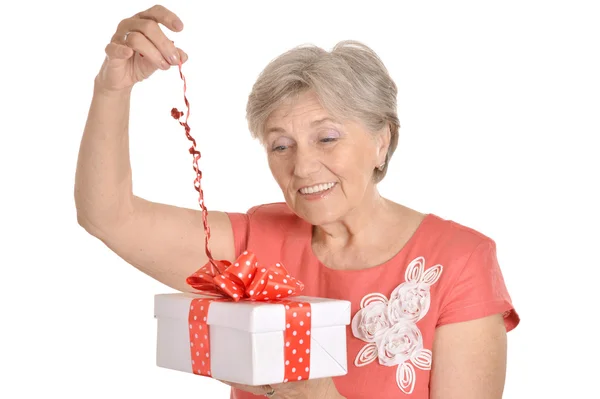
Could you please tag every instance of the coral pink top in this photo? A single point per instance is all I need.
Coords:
(446, 273)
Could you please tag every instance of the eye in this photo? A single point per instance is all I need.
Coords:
(328, 139)
(281, 144)
(329, 136)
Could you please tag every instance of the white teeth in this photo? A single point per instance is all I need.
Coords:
(316, 189)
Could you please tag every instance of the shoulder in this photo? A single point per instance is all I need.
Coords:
(272, 210)
(276, 216)
(472, 284)
(454, 238)
(275, 233)
(464, 255)
(265, 226)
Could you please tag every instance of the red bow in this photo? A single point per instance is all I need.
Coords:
(246, 278)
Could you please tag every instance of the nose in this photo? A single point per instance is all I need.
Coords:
(306, 162)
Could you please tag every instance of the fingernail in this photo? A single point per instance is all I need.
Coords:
(175, 59)
(177, 25)
(164, 65)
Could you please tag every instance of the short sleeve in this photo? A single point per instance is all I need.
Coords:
(479, 290)
(240, 225)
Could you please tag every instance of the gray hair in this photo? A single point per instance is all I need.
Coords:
(350, 81)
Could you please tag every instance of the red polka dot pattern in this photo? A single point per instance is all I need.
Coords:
(296, 335)
(297, 341)
(199, 336)
(246, 278)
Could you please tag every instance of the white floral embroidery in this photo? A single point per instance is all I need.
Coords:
(372, 322)
(390, 326)
(400, 343)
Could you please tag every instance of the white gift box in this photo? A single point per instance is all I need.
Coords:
(247, 338)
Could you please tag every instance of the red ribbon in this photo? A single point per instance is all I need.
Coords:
(246, 278)
(296, 338)
(176, 114)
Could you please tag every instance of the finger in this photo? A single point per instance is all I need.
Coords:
(162, 15)
(116, 51)
(182, 55)
(140, 43)
(154, 34)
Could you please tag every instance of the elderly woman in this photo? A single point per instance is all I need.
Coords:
(329, 124)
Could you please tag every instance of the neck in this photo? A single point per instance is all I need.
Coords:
(362, 224)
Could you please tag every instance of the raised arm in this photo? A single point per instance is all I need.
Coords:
(165, 242)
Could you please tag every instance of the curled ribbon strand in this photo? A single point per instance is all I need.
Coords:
(245, 279)
(176, 114)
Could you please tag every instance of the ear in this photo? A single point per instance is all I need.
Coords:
(383, 143)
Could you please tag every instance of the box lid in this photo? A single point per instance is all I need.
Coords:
(254, 317)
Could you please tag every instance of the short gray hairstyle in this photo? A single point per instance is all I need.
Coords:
(351, 82)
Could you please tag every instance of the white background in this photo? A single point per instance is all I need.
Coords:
(499, 105)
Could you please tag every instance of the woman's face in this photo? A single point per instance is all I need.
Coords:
(324, 168)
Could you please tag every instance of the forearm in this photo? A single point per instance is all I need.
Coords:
(332, 392)
(103, 186)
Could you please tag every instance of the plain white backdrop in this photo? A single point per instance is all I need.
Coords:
(499, 108)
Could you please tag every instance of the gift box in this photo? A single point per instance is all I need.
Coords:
(252, 342)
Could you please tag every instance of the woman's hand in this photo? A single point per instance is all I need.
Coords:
(138, 48)
(321, 388)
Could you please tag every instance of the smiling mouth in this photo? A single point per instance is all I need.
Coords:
(316, 189)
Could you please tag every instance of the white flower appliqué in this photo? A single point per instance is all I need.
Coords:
(390, 326)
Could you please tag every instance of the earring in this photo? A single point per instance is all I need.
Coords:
(380, 167)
